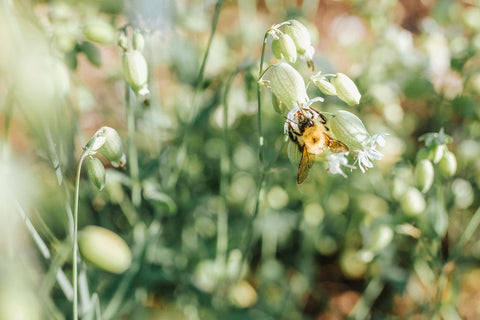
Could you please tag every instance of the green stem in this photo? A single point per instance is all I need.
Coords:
(75, 247)
(249, 231)
(467, 234)
(222, 221)
(259, 104)
(263, 168)
(132, 150)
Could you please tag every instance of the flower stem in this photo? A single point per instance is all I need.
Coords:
(259, 104)
(75, 246)
(132, 150)
(192, 115)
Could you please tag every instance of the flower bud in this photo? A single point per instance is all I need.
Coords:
(437, 153)
(325, 86)
(277, 51)
(99, 31)
(112, 148)
(424, 175)
(135, 69)
(299, 34)
(96, 172)
(346, 89)
(122, 41)
(380, 238)
(349, 129)
(138, 41)
(288, 48)
(412, 202)
(242, 294)
(288, 85)
(448, 164)
(352, 264)
(104, 249)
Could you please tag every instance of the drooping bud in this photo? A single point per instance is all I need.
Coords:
(349, 129)
(99, 31)
(448, 164)
(413, 202)
(288, 48)
(135, 69)
(122, 41)
(138, 41)
(437, 153)
(299, 34)
(104, 249)
(324, 86)
(96, 172)
(346, 89)
(288, 85)
(424, 175)
(112, 148)
(277, 51)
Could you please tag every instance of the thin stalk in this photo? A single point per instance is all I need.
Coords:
(222, 220)
(192, 115)
(259, 103)
(249, 231)
(263, 168)
(362, 308)
(132, 150)
(467, 234)
(75, 247)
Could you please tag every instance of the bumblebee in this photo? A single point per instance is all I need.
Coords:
(307, 128)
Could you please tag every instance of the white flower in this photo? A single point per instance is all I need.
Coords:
(370, 152)
(335, 161)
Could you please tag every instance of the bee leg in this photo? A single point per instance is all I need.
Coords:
(324, 119)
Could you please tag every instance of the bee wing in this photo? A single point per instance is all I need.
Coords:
(306, 164)
(335, 145)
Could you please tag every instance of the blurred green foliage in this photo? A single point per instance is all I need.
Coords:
(371, 246)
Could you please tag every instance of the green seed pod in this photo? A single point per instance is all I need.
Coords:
(135, 69)
(288, 85)
(64, 40)
(423, 153)
(349, 129)
(92, 53)
(437, 153)
(277, 51)
(104, 249)
(381, 237)
(424, 175)
(325, 86)
(138, 41)
(288, 48)
(122, 41)
(413, 202)
(96, 172)
(352, 265)
(112, 148)
(99, 31)
(346, 89)
(299, 34)
(448, 164)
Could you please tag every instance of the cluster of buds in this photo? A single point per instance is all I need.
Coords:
(107, 142)
(434, 155)
(290, 40)
(134, 65)
(318, 135)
